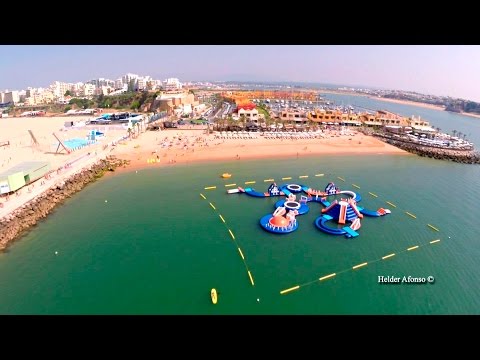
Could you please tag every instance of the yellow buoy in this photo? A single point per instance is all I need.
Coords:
(213, 295)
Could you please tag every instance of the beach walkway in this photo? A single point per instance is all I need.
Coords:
(38, 187)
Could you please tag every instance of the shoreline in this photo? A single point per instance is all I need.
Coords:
(409, 102)
(201, 148)
(402, 102)
(182, 146)
(424, 105)
(16, 223)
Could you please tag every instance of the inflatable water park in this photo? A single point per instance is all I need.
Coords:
(337, 216)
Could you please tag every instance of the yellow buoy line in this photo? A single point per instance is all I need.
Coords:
(339, 177)
(250, 276)
(355, 267)
(212, 187)
(413, 216)
(361, 265)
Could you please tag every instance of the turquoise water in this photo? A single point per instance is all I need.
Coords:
(75, 143)
(148, 243)
(157, 247)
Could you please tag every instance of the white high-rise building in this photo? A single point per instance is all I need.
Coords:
(118, 84)
(172, 84)
(101, 82)
(126, 79)
(142, 82)
(37, 96)
(60, 88)
(88, 89)
(104, 90)
(11, 96)
(77, 88)
(22, 94)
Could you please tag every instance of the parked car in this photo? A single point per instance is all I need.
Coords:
(169, 125)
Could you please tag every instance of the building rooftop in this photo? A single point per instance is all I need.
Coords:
(25, 167)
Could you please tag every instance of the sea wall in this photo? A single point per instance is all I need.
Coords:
(456, 155)
(17, 223)
(464, 156)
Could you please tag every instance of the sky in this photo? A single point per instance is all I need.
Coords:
(446, 70)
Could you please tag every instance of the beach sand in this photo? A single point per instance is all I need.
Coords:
(22, 147)
(422, 105)
(189, 146)
(155, 149)
(412, 103)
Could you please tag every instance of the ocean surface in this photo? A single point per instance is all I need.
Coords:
(149, 243)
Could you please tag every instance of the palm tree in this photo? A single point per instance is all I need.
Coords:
(242, 119)
(269, 122)
(129, 130)
(138, 129)
(459, 134)
(454, 132)
(464, 136)
(230, 121)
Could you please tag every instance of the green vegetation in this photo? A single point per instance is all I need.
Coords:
(135, 105)
(132, 100)
(82, 103)
(454, 105)
(263, 110)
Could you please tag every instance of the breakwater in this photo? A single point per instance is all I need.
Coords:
(441, 153)
(15, 224)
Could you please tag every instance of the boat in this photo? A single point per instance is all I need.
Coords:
(226, 175)
(213, 295)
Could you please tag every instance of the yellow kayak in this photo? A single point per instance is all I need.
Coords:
(213, 295)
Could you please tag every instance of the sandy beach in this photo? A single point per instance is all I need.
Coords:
(412, 103)
(422, 105)
(396, 101)
(471, 115)
(178, 146)
(158, 148)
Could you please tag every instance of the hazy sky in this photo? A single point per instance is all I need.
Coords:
(452, 70)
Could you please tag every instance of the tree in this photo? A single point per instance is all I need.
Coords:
(454, 132)
(243, 120)
(68, 93)
(135, 105)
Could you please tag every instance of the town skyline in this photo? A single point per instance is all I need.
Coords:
(436, 70)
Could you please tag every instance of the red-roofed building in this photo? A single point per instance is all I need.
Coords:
(246, 106)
